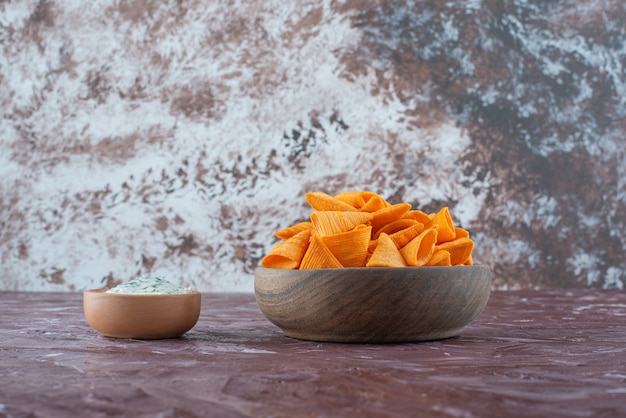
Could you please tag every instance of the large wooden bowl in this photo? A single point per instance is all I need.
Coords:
(373, 305)
(141, 316)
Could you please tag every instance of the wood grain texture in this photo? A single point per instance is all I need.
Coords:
(373, 305)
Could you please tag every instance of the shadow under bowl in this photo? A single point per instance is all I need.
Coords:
(141, 316)
(373, 305)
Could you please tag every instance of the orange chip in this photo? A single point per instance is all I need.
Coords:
(323, 201)
(374, 204)
(318, 256)
(418, 215)
(372, 245)
(288, 254)
(290, 231)
(334, 222)
(420, 249)
(386, 254)
(350, 247)
(460, 250)
(439, 258)
(460, 233)
(389, 214)
(356, 198)
(403, 237)
(396, 226)
(445, 227)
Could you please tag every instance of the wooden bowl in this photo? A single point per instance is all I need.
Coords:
(373, 305)
(141, 316)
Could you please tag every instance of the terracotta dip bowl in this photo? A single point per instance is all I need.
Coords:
(141, 316)
(373, 305)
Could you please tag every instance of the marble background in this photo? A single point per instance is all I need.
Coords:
(174, 137)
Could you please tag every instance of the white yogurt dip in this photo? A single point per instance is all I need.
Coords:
(154, 285)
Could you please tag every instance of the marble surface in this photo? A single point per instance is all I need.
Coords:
(173, 137)
(529, 354)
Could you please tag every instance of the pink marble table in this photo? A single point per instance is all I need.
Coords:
(529, 354)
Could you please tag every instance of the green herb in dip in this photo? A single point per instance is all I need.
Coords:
(155, 285)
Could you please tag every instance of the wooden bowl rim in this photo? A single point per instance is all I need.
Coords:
(376, 270)
(381, 268)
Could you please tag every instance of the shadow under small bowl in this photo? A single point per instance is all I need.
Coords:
(373, 305)
(141, 316)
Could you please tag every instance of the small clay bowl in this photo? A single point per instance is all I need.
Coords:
(141, 316)
(373, 305)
